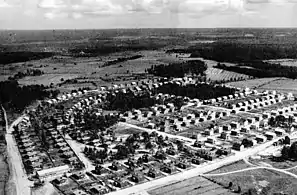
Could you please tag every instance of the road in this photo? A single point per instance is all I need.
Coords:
(18, 177)
(188, 140)
(140, 189)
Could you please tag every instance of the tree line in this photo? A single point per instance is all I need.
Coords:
(237, 52)
(124, 59)
(28, 72)
(262, 69)
(200, 91)
(16, 97)
(22, 56)
(196, 67)
(127, 101)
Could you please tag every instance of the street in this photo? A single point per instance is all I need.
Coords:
(18, 178)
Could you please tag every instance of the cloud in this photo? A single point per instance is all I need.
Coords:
(275, 2)
(79, 8)
(3, 4)
(52, 4)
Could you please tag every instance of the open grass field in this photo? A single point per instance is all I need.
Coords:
(279, 84)
(216, 74)
(283, 62)
(232, 167)
(287, 164)
(269, 182)
(193, 186)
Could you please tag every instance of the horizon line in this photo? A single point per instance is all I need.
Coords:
(122, 28)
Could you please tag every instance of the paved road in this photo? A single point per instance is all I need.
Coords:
(18, 176)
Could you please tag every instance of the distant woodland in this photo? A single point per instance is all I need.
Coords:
(22, 56)
(262, 69)
(195, 67)
(237, 52)
(16, 97)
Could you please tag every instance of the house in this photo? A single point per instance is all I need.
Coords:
(260, 139)
(153, 173)
(238, 146)
(209, 132)
(270, 135)
(234, 133)
(225, 136)
(211, 140)
(255, 126)
(226, 127)
(218, 129)
(279, 132)
(234, 125)
(151, 126)
(245, 129)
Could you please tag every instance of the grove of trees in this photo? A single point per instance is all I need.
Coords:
(200, 91)
(16, 97)
(196, 67)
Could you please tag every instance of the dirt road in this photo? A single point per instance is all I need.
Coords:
(18, 183)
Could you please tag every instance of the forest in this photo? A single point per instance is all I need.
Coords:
(200, 91)
(237, 52)
(262, 69)
(16, 97)
(22, 56)
(124, 59)
(127, 101)
(195, 67)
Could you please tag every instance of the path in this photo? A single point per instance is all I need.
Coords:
(253, 168)
(18, 177)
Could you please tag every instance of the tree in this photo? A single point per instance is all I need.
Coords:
(239, 189)
(285, 152)
(230, 185)
(287, 140)
(293, 150)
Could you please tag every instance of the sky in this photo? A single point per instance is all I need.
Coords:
(106, 14)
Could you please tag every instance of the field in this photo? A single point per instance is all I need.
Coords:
(287, 164)
(283, 62)
(232, 167)
(216, 74)
(193, 186)
(266, 180)
(279, 84)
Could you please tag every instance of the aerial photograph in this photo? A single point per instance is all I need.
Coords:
(148, 97)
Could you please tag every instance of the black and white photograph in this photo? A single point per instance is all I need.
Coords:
(148, 97)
